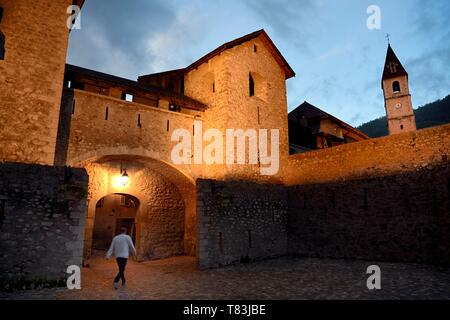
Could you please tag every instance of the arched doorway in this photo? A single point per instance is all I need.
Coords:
(165, 220)
(113, 212)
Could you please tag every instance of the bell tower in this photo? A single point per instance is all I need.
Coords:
(398, 105)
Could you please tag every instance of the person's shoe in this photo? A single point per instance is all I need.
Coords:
(123, 285)
(116, 285)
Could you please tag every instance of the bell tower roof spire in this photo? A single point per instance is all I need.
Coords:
(392, 66)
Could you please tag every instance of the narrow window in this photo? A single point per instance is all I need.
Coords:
(259, 122)
(106, 113)
(251, 85)
(401, 127)
(2, 38)
(139, 121)
(396, 87)
(127, 97)
(255, 48)
(213, 87)
(174, 108)
(123, 200)
(168, 125)
(73, 106)
(259, 159)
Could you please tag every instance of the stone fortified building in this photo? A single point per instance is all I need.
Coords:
(70, 133)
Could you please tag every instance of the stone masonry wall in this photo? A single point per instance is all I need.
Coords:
(223, 84)
(400, 217)
(380, 199)
(42, 211)
(94, 125)
(105, 123)
(385, 199)
(31, 78)
(379, 157)
(239, 222)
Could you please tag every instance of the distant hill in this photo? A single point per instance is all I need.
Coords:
(429, 115)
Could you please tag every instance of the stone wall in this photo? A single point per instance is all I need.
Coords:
(384, 156)
(240, 222)
(399, 217)
(380, 199)
(31, 78)
(42, 214)
(384, 199)
(161, 218)
(101, 125)
(223, 84)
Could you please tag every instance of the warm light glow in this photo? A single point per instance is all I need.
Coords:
(122, 180)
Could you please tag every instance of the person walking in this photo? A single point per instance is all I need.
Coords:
(121, 246)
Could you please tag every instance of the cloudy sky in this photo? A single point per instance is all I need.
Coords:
(338, 60)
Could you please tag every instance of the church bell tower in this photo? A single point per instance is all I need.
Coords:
(398, 105)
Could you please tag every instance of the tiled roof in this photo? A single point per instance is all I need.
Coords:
(308, 111)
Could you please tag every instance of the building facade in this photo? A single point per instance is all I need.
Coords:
(64, 115)
(311, 128)
(71, 123)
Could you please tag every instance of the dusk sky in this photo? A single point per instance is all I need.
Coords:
(338, 60)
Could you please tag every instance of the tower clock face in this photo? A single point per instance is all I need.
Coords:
(398, 106)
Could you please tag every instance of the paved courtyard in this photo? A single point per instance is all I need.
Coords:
(283, 278)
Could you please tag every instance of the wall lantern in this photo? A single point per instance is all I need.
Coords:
(124, 178)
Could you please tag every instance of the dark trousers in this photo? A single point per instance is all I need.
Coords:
(121, 263)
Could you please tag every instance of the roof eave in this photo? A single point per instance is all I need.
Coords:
(79, 3)
(190, 102)
(289, 72)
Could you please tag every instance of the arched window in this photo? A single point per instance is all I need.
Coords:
(251, 85)
(2, 38)
(396, 86)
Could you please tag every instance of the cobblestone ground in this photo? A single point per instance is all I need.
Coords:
(283, 278)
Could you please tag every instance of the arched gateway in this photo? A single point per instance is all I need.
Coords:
(156, 203)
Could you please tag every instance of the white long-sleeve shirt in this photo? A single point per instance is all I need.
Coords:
(121, 246)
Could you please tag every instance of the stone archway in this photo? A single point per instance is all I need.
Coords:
(166, 218)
